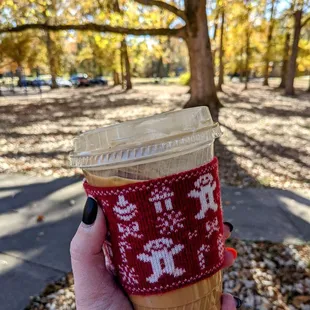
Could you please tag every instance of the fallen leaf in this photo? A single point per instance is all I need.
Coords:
(298, 300)
(40, 218)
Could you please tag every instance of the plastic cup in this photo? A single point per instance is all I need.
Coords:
(146, 149)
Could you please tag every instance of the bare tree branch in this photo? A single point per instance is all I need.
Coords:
(305, 22)
(163, 5)
(99, 28)
(100, 5)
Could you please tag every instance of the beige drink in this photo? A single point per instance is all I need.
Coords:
(147, 149)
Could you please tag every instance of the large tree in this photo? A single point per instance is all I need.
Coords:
(269, 42)
(247, 43)
(50, 14)
(221, 53)
(194, 31)
(298, 7)
(285, 55)
(125, 57)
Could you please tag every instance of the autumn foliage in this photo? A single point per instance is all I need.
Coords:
(121, 38)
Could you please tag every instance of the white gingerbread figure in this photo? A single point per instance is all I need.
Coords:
(159, 196)
(124, 210)
(160, 254)
(204, 191)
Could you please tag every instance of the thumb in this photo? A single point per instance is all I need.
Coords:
(91, 233)
(92, 280)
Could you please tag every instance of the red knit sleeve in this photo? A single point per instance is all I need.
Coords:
(164, 233)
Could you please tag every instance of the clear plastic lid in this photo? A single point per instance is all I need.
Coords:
(145, 140)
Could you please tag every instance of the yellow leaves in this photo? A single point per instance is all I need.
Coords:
(304, 65)
(10, 4)
(17, 47)
(303, 59)
(304, 45)
(85, 53)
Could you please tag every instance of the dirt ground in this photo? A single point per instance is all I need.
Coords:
(265, 134)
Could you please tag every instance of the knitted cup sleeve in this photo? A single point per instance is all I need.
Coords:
(164, 233)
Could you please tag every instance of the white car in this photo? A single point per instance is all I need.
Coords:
(61, 82)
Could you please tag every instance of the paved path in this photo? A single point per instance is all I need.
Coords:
(32, 254)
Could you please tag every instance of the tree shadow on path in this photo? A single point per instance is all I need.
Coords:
(25, 195)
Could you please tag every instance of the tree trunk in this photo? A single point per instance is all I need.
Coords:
(100, 70)
(19, 73)
(268, 48)
(241, 65)
(51, 59)
(203, 91)
(12, 82)
(285, 54)
(221, 66)
(168, 66)
(216, 21)
(50, 45)
(127, 65)
(122, 67)
(289, 86)
(247, 59)
(308, 90)
(160, 68)
(168, 69)
(247, 44)
(116, 80)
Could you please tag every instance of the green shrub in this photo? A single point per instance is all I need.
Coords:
(185, 78)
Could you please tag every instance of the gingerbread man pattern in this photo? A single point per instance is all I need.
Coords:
(205, 186)
(160, 253)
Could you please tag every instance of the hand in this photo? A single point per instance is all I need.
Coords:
(95, 288)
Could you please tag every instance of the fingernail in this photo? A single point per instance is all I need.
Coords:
(230, 226)
(90, 211)
(238, 302)
(233, 252)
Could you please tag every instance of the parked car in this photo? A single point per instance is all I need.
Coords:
(80, 80)
(24, 82)
(28, 82)
(99, 80)
(37, 82)
(61, 82)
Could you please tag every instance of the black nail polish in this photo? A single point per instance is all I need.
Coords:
(230, 226)
(90, 211)
(238, 302)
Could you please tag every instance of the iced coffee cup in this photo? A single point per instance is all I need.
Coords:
(156, 180)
